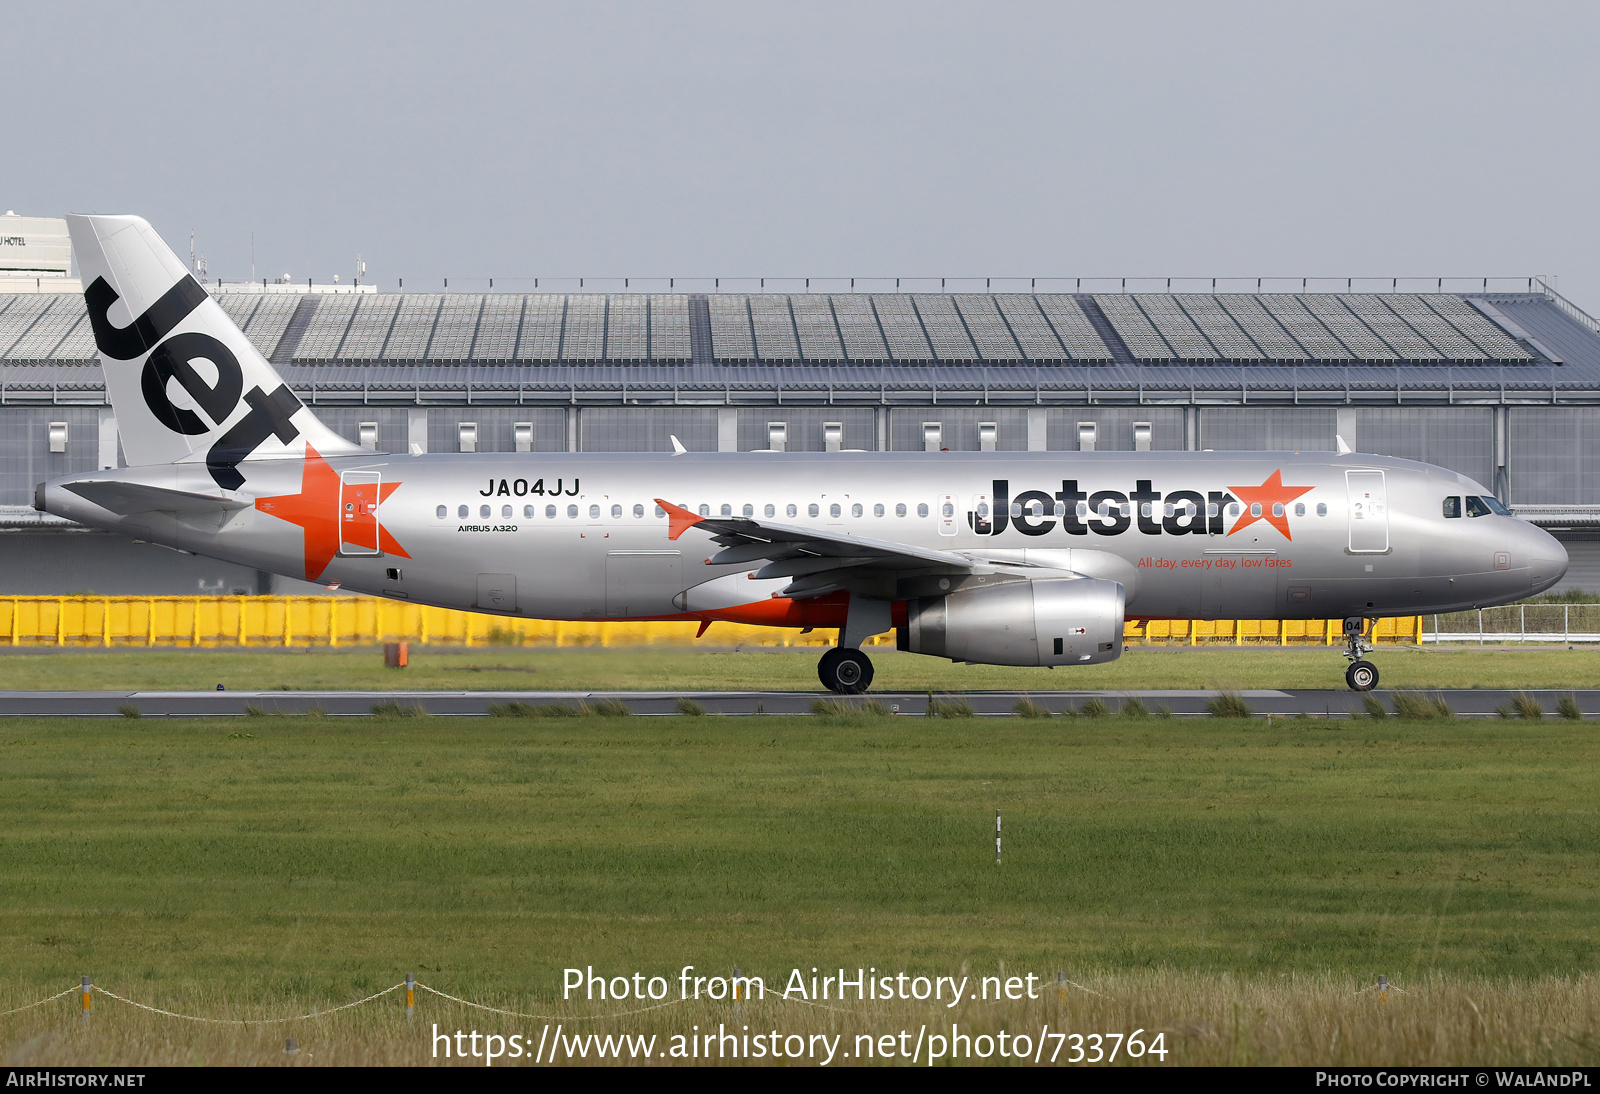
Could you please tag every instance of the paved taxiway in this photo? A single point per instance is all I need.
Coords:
(1334, 703)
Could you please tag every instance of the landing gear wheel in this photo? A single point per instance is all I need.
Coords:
(847, 672)
(1361, 676)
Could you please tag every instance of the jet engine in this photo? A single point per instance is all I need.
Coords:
(1052, 621)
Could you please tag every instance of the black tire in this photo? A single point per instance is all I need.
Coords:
(845, 672)
(1361, 676)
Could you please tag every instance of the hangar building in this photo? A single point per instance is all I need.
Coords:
(1499, 380)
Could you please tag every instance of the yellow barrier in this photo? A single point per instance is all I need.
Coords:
(187, 621)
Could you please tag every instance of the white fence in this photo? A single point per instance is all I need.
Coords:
(1519, 623)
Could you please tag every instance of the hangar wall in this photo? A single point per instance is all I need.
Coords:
(1501, 384)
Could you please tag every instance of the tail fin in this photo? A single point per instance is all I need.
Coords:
(183, 380)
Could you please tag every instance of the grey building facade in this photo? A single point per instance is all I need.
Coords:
(1503, 386)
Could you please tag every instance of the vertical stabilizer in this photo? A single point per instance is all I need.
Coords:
(185, 383)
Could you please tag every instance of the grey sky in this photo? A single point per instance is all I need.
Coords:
(470, 140)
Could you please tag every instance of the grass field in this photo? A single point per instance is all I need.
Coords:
(512, 668)
(1232, 884)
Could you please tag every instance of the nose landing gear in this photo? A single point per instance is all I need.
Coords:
(1362, 675)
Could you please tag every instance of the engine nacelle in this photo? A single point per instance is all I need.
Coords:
(1054, 621)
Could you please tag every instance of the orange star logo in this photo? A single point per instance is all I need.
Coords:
(316, 509)
(1270, 492)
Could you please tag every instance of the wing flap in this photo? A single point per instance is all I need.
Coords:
(755, 540)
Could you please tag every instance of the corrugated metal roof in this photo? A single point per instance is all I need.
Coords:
(314, 362)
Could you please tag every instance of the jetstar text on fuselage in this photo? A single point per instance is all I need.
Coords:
(1079, 511)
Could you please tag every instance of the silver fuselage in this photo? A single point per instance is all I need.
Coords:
(579, 535)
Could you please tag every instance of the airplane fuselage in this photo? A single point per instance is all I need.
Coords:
(1264, 535)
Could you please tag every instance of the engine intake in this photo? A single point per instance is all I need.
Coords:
(1055, 621)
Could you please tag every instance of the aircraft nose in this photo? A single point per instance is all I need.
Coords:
(1547, 558)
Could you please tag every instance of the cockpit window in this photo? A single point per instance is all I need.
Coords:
(1476, 506)
(1452, 507)
(1496, 506)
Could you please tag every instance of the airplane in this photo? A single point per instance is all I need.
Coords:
(1000, 558)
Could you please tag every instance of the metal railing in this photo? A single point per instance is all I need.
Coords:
(922, 283)
(1568, 307)
(289, 621)
(1519, 623)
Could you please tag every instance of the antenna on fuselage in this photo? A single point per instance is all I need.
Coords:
(1344, 449)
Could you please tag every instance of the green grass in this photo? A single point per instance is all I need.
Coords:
(325, 858)
(680, 670)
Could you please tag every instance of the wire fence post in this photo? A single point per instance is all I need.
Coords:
(1061, 987)
(1383, 988)
(88, 987)
(411, 996)
(997, 837)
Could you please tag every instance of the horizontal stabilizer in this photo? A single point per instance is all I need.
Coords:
(127, 498)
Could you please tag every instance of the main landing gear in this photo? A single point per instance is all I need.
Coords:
(1362, 675)
(845, 671)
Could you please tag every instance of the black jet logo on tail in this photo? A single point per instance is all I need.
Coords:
(172, 359)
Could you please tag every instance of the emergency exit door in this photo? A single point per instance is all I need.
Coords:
(1369, 512)
(358, 512)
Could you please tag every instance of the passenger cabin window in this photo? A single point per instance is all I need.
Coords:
(900, 509)
(791, 510)
(877, 510)
(527, 511)
(572, 512)
(616, 512)
(483, 512)
(855, 510)
(505, 512)
(949, 509)
(1322, 508)
(594, 512)
(705, 510)
(749, 510)
(1452, 508)
(660, 512)
(727, 510)
(1476, 506)
(1277, 508)
(638, 512)
(813, 510)
(769, 510)
(922, 509)
(1255, 509)
(549, 511)
(441, 512)
(834, 510)
(462, 512)
(1299, 508)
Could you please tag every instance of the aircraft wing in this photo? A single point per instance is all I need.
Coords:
(128, 498)
(819, 561)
